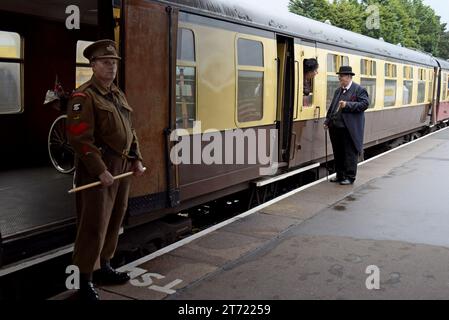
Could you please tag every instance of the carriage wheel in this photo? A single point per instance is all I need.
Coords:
(61, 153)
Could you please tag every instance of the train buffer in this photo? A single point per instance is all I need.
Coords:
(385, 237)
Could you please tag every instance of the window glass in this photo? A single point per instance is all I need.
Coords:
(10, 73)
(10, 93)
(250, 95)
(421, 91)
(370, 85)
(80, 46)
(250, 53)
(407, 92)
(83, 70)
(10, 45)
(186, 45)
(332, 85)
(185, 97)
(331, 63)
(390, 93)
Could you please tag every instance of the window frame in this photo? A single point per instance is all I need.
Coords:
(21, 62)
(191, 64)
(340, 61)
(250, 68)
(371, 74)
(391, 76)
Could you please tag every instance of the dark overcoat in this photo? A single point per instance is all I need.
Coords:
(357, 101)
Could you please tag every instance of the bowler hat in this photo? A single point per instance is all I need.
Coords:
(346, 70)
(101, 49)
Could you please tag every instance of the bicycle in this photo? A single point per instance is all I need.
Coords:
(61, 153)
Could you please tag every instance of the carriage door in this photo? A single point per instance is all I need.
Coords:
(306, 134)
(285, 95)
(149, 53)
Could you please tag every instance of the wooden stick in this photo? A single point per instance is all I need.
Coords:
(94, 184)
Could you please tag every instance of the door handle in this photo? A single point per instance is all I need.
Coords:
(316, 114)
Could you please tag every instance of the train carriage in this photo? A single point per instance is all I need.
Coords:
(224, 64)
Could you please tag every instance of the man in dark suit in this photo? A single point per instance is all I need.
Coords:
(346, 123)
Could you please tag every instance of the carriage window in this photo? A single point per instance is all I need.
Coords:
(334, 62)
(370, 85)
(185, 80)
(447, 86)
(421, 85)
(332, 85)
(407, 92)
(310, 67)
(250, 85)
(444, 86)
(250, 53)
(368, 79)
(83, 69)
(390, 93)
(391, 70)
(11, 65)
(390, 85)
(430, 93)
(186, 45)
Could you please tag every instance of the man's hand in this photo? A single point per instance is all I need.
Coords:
(106, 178)
(325, 126)
(342, 104)
(138, 168)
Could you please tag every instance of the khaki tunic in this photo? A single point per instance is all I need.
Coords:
(100, 131)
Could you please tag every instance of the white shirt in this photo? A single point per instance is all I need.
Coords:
(348, 87)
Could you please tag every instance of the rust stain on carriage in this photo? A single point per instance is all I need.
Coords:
(146, 83)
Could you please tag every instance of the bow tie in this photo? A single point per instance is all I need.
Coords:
(343, 90)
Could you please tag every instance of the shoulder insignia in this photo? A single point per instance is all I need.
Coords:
(79, 94)
(76, 107)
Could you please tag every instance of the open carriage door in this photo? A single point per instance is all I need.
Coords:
(148, 49)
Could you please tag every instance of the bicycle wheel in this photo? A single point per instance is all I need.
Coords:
(61, 153)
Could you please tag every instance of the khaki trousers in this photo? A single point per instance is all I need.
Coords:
(100, 213)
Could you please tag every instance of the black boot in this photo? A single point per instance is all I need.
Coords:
(87, 290)
(107, 275)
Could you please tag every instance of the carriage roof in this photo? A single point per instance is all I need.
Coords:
(289, 23)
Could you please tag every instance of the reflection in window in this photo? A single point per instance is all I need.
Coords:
(310, 67)
(250, 53)
(334, 62)
(83, 70)
(421, 91)
(407, 92)
(332, 85)
(250, 83)
(186, 45)
(10, 72)
(370, 85)
(185, 97)
(390, 93)
(250, 96)
(185, 80)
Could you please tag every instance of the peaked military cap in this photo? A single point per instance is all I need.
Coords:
(101, 49)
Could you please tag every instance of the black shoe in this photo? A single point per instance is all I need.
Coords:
(346, 182)
(335, 180)
(107, 275)
(87, 291)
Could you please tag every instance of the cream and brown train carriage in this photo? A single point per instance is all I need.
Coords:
(241, 67)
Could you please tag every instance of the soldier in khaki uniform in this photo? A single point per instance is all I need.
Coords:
(100, 131)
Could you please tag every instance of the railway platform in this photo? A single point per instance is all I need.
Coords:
(321, 241)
